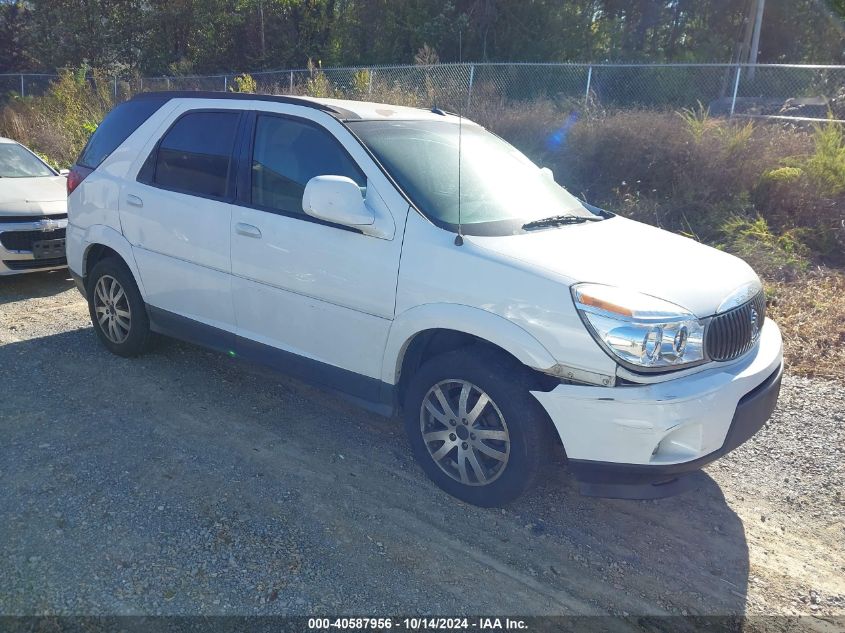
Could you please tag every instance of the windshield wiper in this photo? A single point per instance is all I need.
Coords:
(558, 220)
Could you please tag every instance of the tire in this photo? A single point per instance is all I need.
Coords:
(505, 465)
(117, 310)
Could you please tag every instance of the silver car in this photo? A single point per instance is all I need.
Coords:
(33, 212)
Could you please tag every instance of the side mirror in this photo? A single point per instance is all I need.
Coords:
(64, 172)
(336, 199)
(548, 173)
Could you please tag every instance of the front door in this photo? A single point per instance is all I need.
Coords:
(310, 297)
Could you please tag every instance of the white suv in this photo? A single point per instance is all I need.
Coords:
(418, 263)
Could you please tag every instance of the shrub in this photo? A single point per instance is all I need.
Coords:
(782, 175)
(243, 83)
(825, 168)
(317, 84)
(362, 82)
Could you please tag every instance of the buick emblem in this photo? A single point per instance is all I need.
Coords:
(755, 325)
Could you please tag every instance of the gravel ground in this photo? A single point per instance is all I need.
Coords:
(185, 482)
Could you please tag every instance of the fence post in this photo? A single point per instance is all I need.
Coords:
(168, 82)
(225, 83)
(370, 81)
(22, 89)
(115, 87)
(469, 88)
(736, 89)
(589, 82)
(291, 82)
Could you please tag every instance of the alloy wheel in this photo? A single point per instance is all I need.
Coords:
(111, 305)
(465, 432)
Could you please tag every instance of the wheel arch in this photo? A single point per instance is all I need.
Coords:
(426, 331)
(103, 241)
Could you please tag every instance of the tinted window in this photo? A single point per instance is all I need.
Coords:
(195, 154)
(287, 154)
(116, 128)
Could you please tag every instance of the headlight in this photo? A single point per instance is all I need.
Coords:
(640, 330)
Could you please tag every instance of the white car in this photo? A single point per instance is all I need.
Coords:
(339, 241)
(33, 212)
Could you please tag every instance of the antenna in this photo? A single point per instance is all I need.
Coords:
(459, 238)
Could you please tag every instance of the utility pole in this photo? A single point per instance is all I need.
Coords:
(261, 20)
(755, 39)
(745, 44)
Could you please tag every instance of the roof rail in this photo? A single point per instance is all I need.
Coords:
(340, 113)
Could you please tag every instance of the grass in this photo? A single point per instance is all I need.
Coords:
(772, 194)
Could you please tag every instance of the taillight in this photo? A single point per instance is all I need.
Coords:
(76, 175)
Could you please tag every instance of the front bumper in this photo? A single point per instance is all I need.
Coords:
(16, 254)
(637, 441)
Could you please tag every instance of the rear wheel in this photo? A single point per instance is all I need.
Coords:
(117, 309)
(474, 427)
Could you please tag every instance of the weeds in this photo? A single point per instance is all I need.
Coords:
(697, 120)
(59, 123)
(778, 257)
(736, 137)
(809, 311)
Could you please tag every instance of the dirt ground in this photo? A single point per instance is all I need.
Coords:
(186, 482)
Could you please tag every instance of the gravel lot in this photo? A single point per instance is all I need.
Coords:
(185, 482)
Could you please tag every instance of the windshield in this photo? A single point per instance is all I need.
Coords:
(17, 162)
(500, 188)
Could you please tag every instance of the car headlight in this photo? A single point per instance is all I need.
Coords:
(638, 329)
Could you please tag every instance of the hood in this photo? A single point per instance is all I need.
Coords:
(33, 196)
(632, 255)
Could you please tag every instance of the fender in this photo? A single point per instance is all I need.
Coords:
(454, 316)
(107, 236)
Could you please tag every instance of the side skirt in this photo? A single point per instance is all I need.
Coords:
(369, 393)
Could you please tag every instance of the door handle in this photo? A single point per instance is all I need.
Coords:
(247, 230)
(134, 200)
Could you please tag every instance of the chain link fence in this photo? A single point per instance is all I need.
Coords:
(801, 92)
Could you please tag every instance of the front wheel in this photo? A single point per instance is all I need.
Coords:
(117, 309)
(474, 427)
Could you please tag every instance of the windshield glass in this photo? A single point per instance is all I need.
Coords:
(500, 188)
(17, 162)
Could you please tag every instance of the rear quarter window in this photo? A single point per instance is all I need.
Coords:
(118, 125)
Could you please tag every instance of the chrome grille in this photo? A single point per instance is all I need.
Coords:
(732, 333)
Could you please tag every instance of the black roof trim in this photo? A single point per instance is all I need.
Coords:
(166, 95)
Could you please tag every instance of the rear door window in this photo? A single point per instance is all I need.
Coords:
(118, 125)
(195, 155)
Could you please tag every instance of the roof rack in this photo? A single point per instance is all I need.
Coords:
(340, 113)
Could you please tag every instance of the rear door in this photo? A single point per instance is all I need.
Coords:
(177, 216)
(313, 298)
